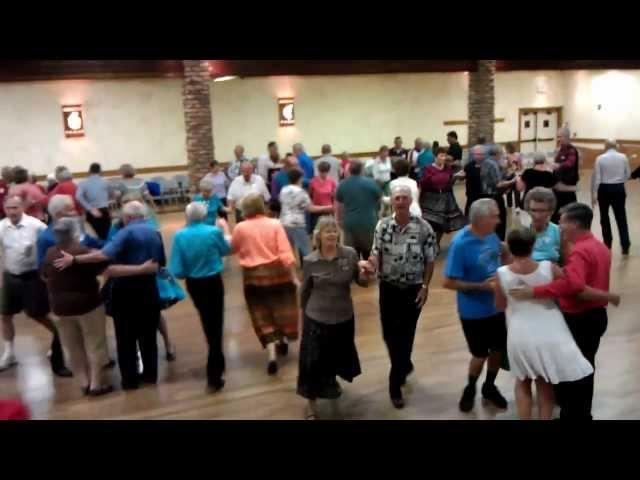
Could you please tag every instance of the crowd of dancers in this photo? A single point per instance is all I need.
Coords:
(532, 301)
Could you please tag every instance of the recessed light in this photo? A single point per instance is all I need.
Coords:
(224, 78)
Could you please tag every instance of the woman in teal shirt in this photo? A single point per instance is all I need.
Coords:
(213, 203)
(540, 203)
(425, 159)
(196, 256)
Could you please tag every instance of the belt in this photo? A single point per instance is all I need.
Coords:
(21, 275)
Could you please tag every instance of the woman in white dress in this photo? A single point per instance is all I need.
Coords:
(540, 346)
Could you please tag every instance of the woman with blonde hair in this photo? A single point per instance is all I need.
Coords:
(327, 348)
(269, 276)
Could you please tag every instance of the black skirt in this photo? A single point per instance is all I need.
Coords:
(326, 351)
(441, 210)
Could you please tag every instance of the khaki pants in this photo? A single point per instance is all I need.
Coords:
(84, 339)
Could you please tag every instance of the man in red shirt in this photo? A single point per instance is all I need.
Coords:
(5, 182)
(588, 265)
(66, 186)
(567, 172)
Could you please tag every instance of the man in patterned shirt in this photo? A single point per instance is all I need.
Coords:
(403, 253)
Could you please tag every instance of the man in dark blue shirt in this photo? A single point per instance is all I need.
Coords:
(135, 300)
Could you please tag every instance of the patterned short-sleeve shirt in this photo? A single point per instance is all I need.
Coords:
(403, 251)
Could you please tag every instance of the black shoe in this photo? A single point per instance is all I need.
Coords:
(493, 395)
(282, 349)
(468, 398)
(272, 368)
(101, 391)
(110, 365)
(62, 372)
(216, 386)
(396, 396)
(171, 356)
(625, 251)
(130, 386)
(86, 390)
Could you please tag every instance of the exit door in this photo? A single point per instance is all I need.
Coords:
(538, 128)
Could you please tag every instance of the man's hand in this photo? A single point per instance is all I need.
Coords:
(95, 213)
(422, 297)
(489, 284)
(614, 299)
(64, 261)
(522, 293)
(366, 268)
(150, 266)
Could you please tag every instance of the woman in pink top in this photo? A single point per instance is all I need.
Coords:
(269, 275)
(322, 191)
(437, 201)
(33, 198)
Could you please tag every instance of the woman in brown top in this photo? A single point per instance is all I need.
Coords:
(74, 297)
(327, 348)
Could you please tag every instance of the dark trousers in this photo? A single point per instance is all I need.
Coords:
(514, 198)
(57, 357)
(208, 297)
(501, 229)
(100, 225)
(614, 196)
(587, 328)
(562, 199)
(467, 207)
(399, 317)
(136, 315)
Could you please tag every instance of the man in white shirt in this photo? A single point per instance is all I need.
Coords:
(23, 289)
(610, 172)
(268, 161)
(334, 171)
(242, 186)
(233, 170)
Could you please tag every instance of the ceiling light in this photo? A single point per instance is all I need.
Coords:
(224, 78)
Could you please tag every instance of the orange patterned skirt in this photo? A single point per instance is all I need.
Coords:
(272, 300)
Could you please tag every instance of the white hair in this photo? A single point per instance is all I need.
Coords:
(539, 158)
(64, 174)
(65, 229)
(134, 209)
(396, 189)
(564, 132)
(58, 203)
(481, 208)
(610, 143)
(206, 184)
(195, 212)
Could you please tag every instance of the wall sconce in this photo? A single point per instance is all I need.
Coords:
(73, 120)
(286, 112)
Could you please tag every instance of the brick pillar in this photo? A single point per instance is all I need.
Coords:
(196, 101)
(482, 101)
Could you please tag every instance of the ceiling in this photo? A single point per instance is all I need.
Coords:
(26, 70)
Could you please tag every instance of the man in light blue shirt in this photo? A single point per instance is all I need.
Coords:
(93, 194)
(473, 259)
(196, 256)
(305, 162)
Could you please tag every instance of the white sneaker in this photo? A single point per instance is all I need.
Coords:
(7, 361)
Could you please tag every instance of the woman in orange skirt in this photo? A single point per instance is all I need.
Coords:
(269, 276)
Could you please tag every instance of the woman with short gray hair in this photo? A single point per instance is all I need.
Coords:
(540, 203)
(196, 256)
(213, 203)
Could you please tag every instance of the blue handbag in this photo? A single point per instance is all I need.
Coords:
(169, 289)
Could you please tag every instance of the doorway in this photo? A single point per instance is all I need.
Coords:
(537, 129)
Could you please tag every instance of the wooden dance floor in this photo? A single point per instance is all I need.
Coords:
(440, 357)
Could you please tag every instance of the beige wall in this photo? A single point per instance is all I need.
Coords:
(137, 121)
(355, 113)
(141, 121)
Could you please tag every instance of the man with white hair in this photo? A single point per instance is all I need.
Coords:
(198, 250)
(66, 186)
(244, 184)
(473, 259)
(610, 172)
(62, 206)
(22, 287)
(412, 157)
(233, 170)
(567, 170)
(403, 254)
(135, 299)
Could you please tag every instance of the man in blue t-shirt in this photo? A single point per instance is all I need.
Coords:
(474, 256)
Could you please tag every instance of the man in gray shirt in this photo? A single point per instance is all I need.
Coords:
(334, 172)
(93, 194)
(610, 172)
